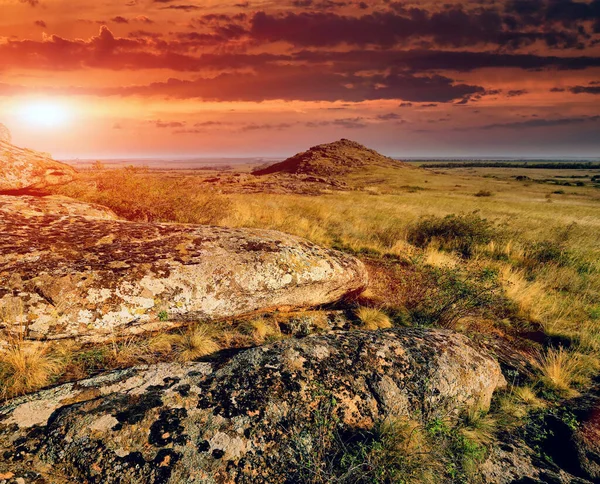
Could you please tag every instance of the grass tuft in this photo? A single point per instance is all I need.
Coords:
(25, 368)
(373, 318)
(560, 369)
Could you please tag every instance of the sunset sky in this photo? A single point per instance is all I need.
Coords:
(138, 78)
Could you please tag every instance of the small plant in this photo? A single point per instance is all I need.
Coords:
(483, 193)
(373, 318)
(163, 316)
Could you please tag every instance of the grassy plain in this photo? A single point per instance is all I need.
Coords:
(510, 256)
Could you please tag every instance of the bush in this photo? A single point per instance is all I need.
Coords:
(428, 296)
(483, 193)
(460, 233)
(547, 251)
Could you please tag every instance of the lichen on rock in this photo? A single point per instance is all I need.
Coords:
(77, 271)
(22, 168)
(240, 421)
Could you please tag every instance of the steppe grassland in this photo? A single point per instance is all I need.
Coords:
(532, 265)
(540, 255)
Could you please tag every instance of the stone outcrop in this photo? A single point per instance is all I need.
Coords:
(55, 205)
(330, 160)
(73, 271)
(253, 418)
(5, 136)
(22, 169)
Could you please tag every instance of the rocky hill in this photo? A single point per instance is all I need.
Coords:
(24, 169)
(329, 160)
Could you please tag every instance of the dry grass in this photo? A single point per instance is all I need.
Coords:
(529, 296)
(561, 369)
(479, 427)
(261, 330)
(440, 259)
(26, 367)
(372, 318)
(403, 453)
(189, 345)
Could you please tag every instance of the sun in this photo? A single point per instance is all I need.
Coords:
(45, 113)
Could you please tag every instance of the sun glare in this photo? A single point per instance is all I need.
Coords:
(47, 114)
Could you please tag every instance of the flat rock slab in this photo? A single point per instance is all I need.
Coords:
(22, 169)
(91, 277)
(250, 419)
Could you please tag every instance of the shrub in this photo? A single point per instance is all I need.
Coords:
(431, 296)
(483, 193)
(460, 233)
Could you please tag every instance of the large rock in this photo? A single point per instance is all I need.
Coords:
(73, 272)
(54, 205)
(257, 418)
(22, 169)
(5, 136)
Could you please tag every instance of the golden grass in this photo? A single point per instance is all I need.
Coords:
(26, 367)
(261, 330)
(404, 454)
(561, 369)
(440, 259)
(188, 345)
(479, 427)
(372, 318)
(529, 296)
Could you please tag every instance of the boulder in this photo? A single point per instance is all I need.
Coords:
(5, 136)
(75, 272)
(54, 205)
(254, 418)
(23, 169)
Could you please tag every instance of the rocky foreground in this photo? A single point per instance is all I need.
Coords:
(251, 419)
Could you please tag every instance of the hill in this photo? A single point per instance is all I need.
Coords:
(331, 159)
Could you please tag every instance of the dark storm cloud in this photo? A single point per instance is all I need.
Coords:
(452, 26)
(585, 89)
(289, 83)
(185, 8)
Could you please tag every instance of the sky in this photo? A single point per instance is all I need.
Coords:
(179, 78)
